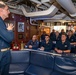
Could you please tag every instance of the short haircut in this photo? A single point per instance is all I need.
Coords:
(2, 4)
(64, 34)
(70, 31)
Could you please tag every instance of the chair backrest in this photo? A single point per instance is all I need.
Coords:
(42, 59)
(65, 65)
(19, 57)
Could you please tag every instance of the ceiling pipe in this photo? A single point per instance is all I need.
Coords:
(51, 11)
(60, 16)
(43, 1)
(31, 22)
(54, 20)
(68, 6)
(46, 4)
(16, 11)
(36, 1)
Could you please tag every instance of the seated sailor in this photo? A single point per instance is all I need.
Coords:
(47, 44)
(63, 46)
(72, 39)
(33, 44)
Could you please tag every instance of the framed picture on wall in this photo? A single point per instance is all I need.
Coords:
(20, 36)
(20, 26)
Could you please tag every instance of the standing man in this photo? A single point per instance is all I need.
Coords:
(6, 36)
(43, 36)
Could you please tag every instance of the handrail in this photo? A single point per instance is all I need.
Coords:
(52, 53)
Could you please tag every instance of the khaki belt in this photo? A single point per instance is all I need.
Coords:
(5, 49)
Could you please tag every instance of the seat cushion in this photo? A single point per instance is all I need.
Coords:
(17, 68)
(42, 59)
(16, 74)
(65, 65)
(19, 57)
(58, 73)
(37, 70)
